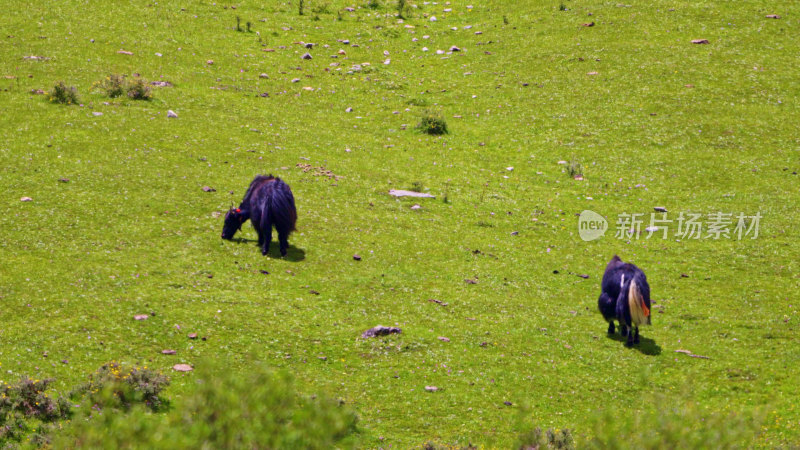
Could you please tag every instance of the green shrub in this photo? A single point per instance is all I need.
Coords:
(432, 123)
(664, 423)
(113, 85)
(257, 409)
(536, 439)
(115, 386)
(139, 90)
(24, 403)
(66, 95)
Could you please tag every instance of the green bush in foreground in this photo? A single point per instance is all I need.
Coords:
(258, 409)
(663, 423)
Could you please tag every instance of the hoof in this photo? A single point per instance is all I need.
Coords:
(629, 344)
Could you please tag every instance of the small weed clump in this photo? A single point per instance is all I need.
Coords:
(575, 169)
(562, 7)
(139, 90)
(550, 439)
(66, 95)
(401, 8)
(113, 85)
(114, 386)
(300, 7)
(432, 123)
(373, 4)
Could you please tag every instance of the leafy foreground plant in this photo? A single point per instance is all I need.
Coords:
(115, 386)
(139, 90)
(24, 404)
(259, 409)
(66, 95)
(670, 423)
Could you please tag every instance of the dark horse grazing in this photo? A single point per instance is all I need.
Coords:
(268, 202)
(625, 297)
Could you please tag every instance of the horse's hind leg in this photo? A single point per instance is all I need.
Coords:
(265, 236)
(610, 327)
(636, 336)
(283, 239)
(630, 341)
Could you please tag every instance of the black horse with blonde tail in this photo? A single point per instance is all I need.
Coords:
(268, 203)
(625, 297)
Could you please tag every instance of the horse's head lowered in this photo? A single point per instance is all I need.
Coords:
(234, 219)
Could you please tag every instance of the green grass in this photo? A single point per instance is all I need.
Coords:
(132, 232)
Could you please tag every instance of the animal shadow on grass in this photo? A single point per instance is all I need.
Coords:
(293, 254)
(646, 345)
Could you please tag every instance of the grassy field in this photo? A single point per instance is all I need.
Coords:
(652, 119)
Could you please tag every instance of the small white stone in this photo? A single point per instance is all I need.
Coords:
(172, 114)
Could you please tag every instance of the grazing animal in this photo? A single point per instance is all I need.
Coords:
(268, 202)
(625, 297)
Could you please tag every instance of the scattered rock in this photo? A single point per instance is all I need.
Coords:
(124, 52)
(263, 272)
(592, 73)
(26, 199)
(514, 233)
(182, 368)
(208, 189)
(443, 339)
(470, 281)
(590, 24)
(295, 80)
(773, 16)
(688, 86)
(402, 193)
(431, 388)
(38, 58)
(348, 109)
(313, 292)
(37, 92)
(210, 62)
(660, 209)
(141, 316)
(306, 56)
(168, 352)
(584, 276)
(380, 331)
(700, 41)
(323, 358)
(687, 352)
(263, 75)
(161, 83)
(192, 336)
(357, 257)
(438, 302)
(455, 49)
(172, 114)
(97, 113)
(416, 207)
(507, 403)
(64, 180)
(683, 275)
(308, 45)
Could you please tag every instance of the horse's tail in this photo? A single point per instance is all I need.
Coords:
(640, 313)
(283, 213)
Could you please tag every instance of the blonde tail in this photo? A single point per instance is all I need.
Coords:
(640, 313)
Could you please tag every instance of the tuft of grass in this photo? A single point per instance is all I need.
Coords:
(562, 7)
(373, 4)
(112, 86)
(300, 7)
(63, 94)
(432, 123)
(139, 90)
(574, 168)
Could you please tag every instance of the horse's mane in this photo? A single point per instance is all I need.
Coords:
(254, 185)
